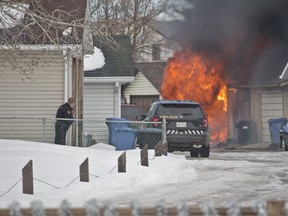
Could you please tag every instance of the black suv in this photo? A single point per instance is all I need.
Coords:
(187, 126)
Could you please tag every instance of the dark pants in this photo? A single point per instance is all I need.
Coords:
(61, 128)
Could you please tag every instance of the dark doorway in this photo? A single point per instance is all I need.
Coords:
(144, 101)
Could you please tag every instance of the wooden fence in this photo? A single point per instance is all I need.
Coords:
(274, 208)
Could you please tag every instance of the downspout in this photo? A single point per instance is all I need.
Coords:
(76, 97)
(117, 100)
(66, 75)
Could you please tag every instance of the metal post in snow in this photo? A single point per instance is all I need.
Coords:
(44, 130)
(77, 98)
(164, 134)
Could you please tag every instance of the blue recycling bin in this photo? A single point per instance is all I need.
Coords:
(274, 127)
(125, 138)
(114, 123)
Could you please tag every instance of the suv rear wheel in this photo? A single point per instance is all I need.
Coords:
(283, 144)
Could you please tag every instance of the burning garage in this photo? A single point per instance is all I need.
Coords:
(232, 61)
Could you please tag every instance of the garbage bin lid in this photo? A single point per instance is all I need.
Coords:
(277, 120)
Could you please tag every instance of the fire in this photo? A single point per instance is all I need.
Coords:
(191, 76)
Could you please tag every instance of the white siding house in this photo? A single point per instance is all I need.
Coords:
(147, 86)
(38, 96)
(141, 86)
(36, 77)
(271, 107)
(102, 86)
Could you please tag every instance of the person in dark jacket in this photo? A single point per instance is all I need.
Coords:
(61, 126)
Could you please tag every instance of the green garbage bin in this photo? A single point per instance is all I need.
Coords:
(246, 132)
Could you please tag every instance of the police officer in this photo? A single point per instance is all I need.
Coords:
(61, 126)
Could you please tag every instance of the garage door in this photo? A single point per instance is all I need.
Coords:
(271, 107)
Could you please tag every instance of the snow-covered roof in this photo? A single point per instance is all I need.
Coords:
(94, 61)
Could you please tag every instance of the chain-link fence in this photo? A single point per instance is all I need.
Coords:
(102, 133)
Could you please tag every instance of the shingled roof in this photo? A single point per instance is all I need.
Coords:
(118, 60)
(45, 21)
(153, 71)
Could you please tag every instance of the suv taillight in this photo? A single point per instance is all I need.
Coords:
(205, 123)
(155, 119)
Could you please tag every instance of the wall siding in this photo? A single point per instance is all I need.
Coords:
(141, 86)
(99, 103)
(34, 98)
(285, 104)
(38, 96)
(271, 107)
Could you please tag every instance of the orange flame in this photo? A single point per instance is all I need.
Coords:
(191, 76)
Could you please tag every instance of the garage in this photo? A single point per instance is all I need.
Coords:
(271, 107)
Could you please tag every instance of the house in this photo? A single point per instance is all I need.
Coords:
(150, 67)
(147, 86)
(103, 84)
(263, 97)
(42, 67)
(159, 44)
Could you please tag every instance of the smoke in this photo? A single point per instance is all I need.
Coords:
(249, 36)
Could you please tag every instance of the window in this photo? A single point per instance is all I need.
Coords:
(156, 52)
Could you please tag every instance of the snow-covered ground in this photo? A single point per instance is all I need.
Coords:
(223, 178)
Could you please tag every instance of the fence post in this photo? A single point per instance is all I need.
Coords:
(84, 171)
(158, 149)
(144, 156)
(164, 133)
(44, 130)
(275, 207)
(27, 178)
(122, 163)
(165, 148)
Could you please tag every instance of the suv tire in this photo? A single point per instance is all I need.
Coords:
(284, 144)
(205, 151)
